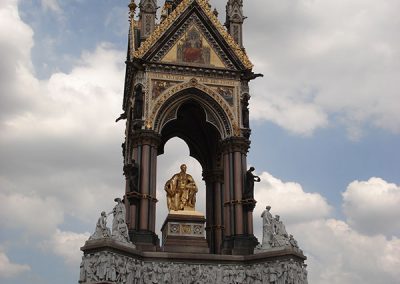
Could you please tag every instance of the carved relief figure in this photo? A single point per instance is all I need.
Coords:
(191, 50)
(181, 191)
(226, 93)
(101, 266)
(107, 266)
(160, 86)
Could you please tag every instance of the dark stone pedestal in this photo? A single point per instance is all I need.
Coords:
(183, 231)
(144, 240)
(240, 245)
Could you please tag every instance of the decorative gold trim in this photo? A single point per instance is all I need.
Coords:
(229, 39)
(164, 25)
(160, 29)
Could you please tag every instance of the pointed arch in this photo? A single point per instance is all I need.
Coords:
(217, 111)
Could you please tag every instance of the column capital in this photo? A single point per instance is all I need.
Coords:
(213, 176)
(146, 137)
(235, 144)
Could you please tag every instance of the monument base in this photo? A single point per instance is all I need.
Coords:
(183, 231)
(107, 261)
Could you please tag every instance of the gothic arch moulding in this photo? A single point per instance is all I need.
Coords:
(218, 112)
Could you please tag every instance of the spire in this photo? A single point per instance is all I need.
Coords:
(169, 6)
(234, 20)
(147, 17)
(167, 9)
(132, 36)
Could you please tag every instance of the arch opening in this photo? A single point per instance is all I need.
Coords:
(213, 111)
(177, 153)
(192, 127)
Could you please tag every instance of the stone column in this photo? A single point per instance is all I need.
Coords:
(239, 239)
(214, 214)
(143, 202)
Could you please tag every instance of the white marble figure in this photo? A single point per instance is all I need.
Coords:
(274, 233)
(119, 227)
(293, 242)
(102, 231)
(280, 238)
(267, 228)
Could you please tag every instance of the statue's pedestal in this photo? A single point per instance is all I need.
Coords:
(106, 261)
(183, 231)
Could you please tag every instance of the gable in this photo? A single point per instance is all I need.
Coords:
(193, 48)
(192, 35)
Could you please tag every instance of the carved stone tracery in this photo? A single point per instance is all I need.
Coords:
(208, 97)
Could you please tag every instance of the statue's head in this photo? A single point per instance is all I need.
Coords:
(183, 168)
(103, 213)
(118, 200)
(268, 207)
(252, 169)
(277, 217)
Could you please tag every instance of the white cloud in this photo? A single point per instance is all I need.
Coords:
(51, 126)
(373, 206)
(337, 252)
(29, 212)
(66, 245)
(16, 66)
(296, 116)
(9, 269)
(289, 200)
(74, 112)
(51, 5)
(323, 60)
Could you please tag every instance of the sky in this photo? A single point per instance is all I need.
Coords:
(325, 124)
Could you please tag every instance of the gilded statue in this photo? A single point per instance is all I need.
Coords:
(181, 191)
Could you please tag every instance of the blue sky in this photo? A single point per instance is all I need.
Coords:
(325, 119)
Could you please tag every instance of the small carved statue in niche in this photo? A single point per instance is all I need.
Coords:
(138, 103)
(181, 191)
(245, 111)
(131, 172)
(250, 179)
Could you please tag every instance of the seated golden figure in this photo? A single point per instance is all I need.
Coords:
(181, 191)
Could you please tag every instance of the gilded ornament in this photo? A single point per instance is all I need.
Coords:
(164, 25)
(181, 191)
